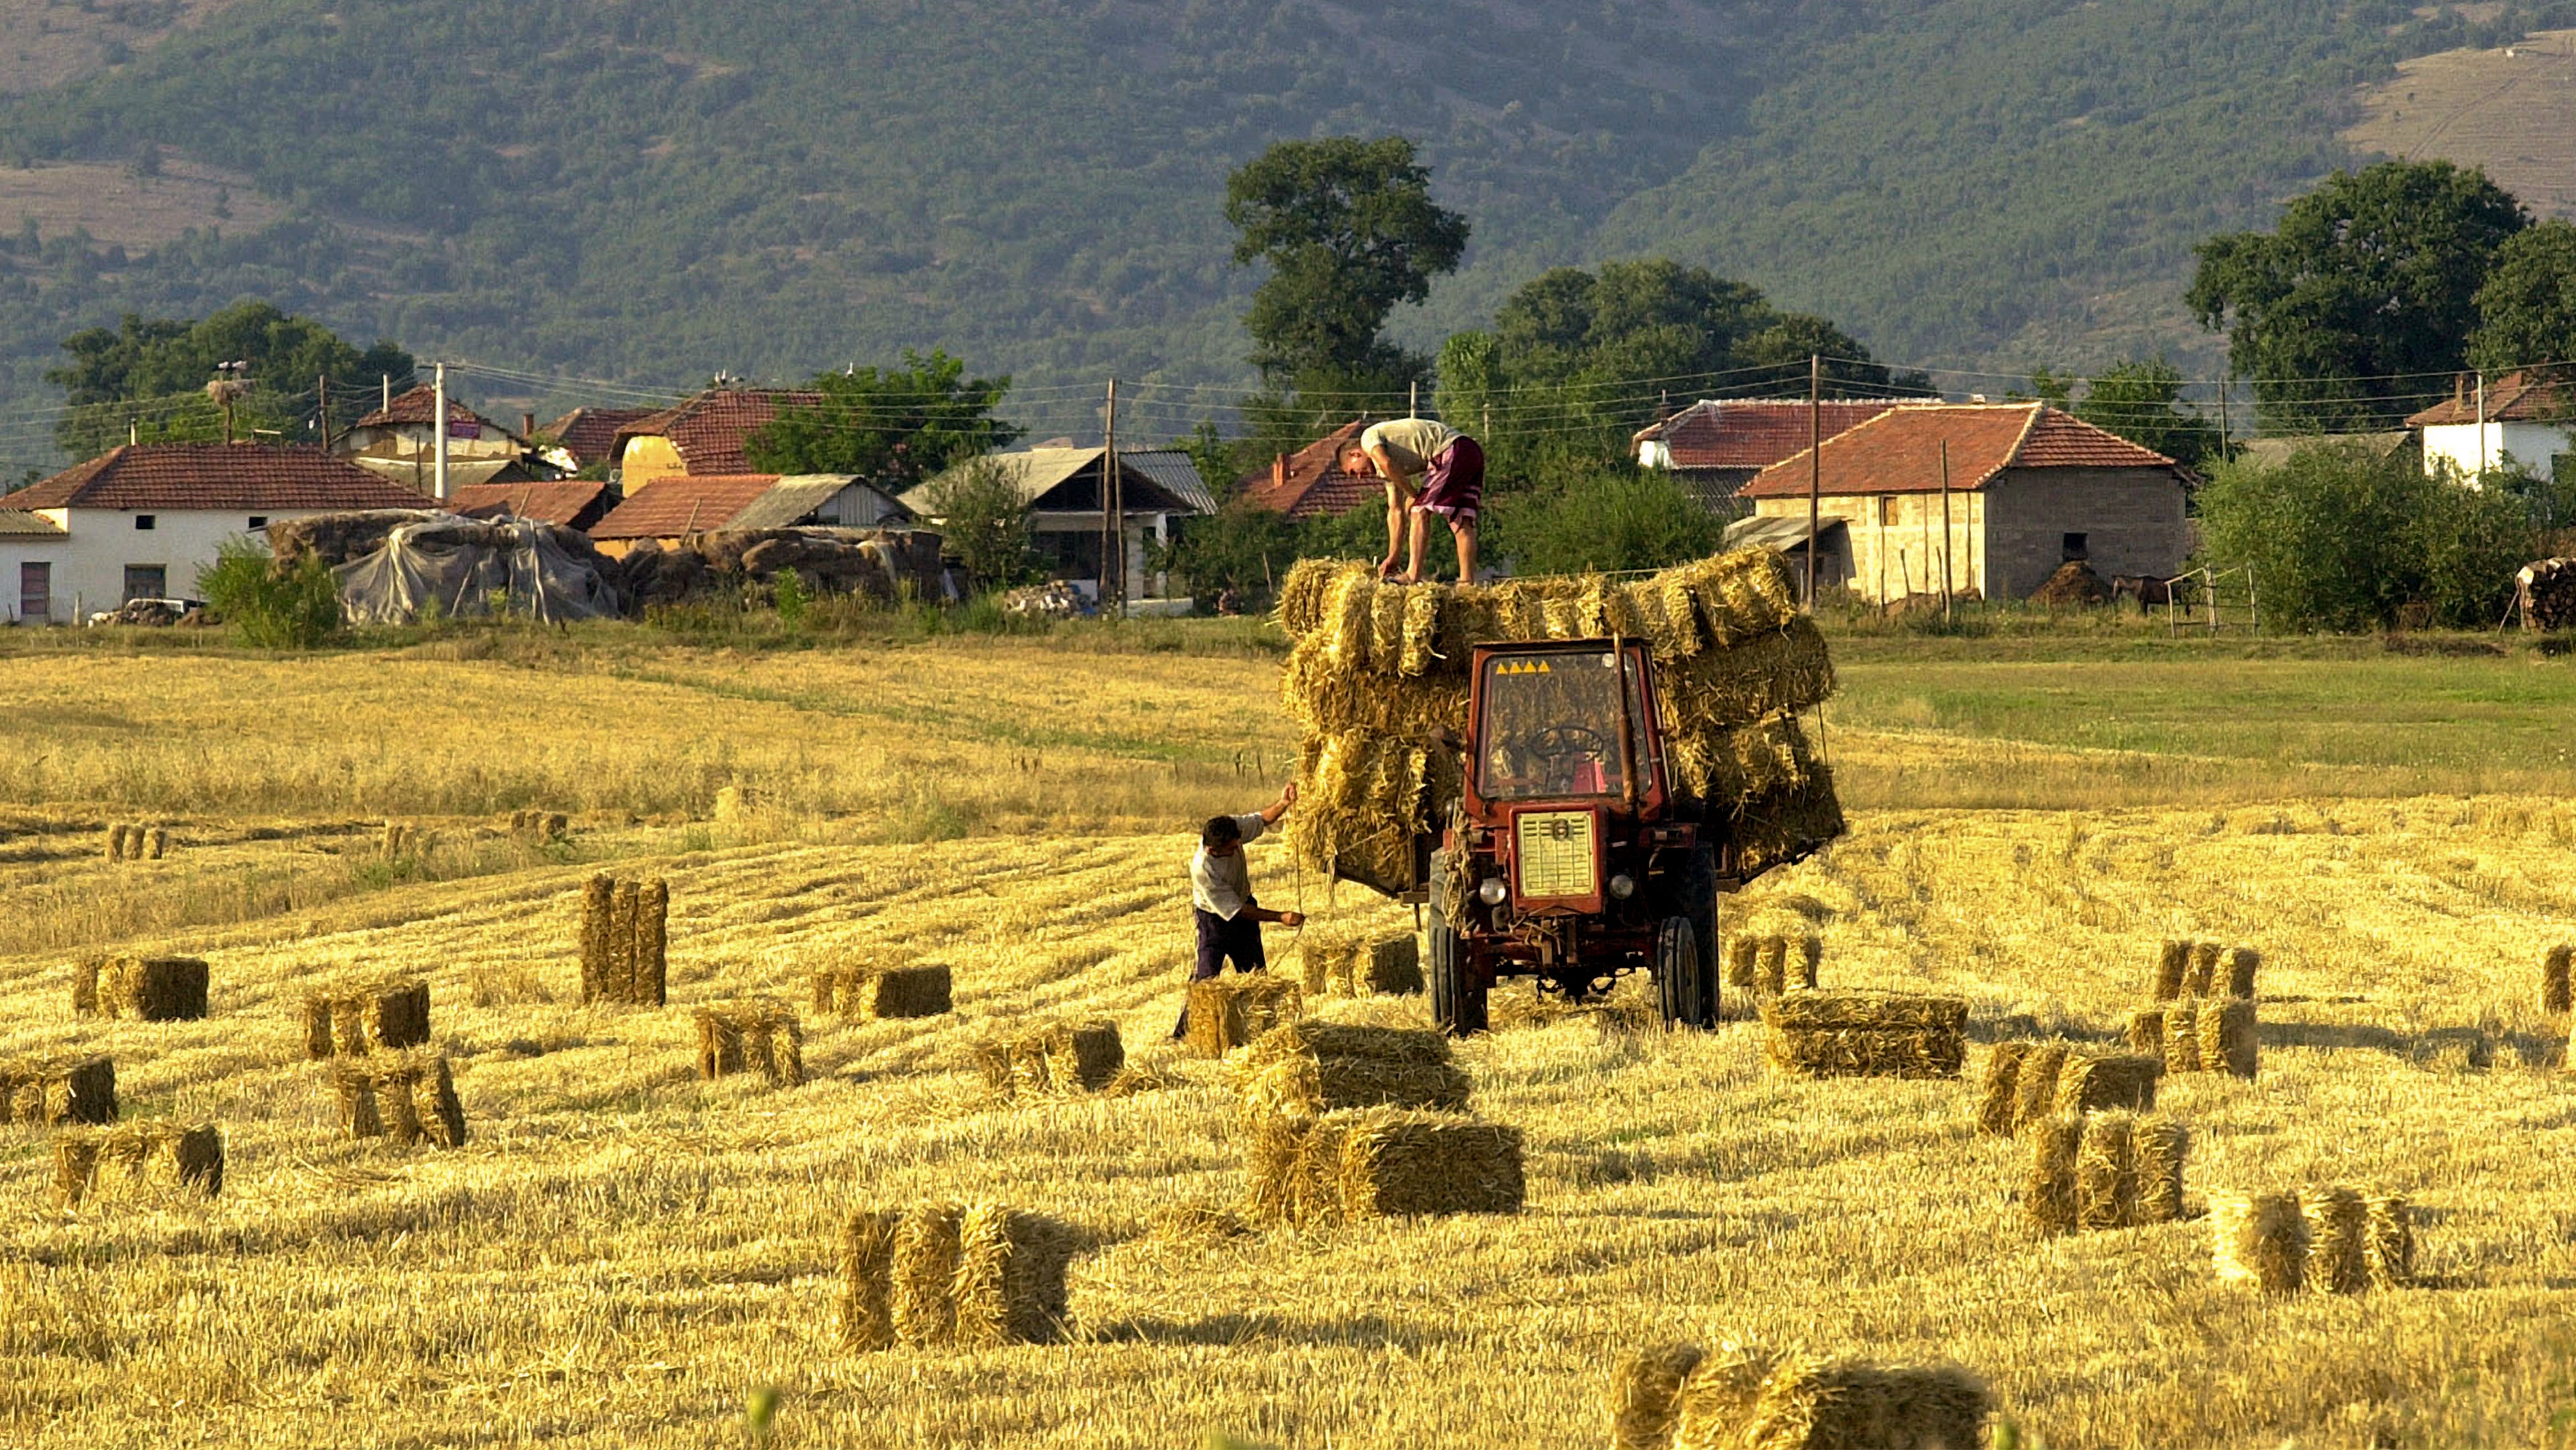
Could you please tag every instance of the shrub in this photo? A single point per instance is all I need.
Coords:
(1613, 519)
(270, 607)
(984, 523)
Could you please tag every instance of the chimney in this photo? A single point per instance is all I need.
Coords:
(1279, 471)
(527, 425)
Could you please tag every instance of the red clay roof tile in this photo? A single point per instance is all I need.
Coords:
(677, 504)
(1755, 432)
(590, 434)
(569, 502)
(708, 430)
(2518, 397)
(420, 406)
(231, 477)
(1312, 482)
(1899, 451)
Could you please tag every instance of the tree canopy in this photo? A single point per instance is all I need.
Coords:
(2365, 290)
(151, 374)
(2527, 305)
(2142, 402)
(896, 426)
(1349, 230)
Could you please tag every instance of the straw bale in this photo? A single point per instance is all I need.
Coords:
(1009, 1287)
(2147, 1031)
(596, 919)
(1722, 689)
(2173, 963)
(1644, 1394)
(649, 983)
(1386, 629)
(116, 843)
(1312, 1038)
(1056, 1057)
(2106, 1172)
(2200, 980)
(2035, 1086)
(2239, 964)
(2390, 1246)
(622, 904)
(53, 1091)
(1395, 966)
(1718, 1395)
(2049, 1193)
(924, 1274)
(755, 1036)
(85, 974)
(1348, 621)
(1397, 1163)
(1999, 1100)
(1857, 1008)
(1418, 645)
(1673, 630)
(1771, 970)
(349, 1019)
(1307, 1086)
(152, 989)
(1786, 828)
(408, 1097)
(925, 989)
(2182, 1037)
(1743, 961)
(1818, 1405)
(1328, 962)
(2162, 1145)
(1307, 591)
(1741, 595)
(2227, 1042)
(1915, 1052)
(2554, 975)
(2092, 1084)
(156, 843)
(1227, 1012)
(139, 1160)
(2259, 1239)
(2338, 1240)
(1283, 1182)
(867, 1278)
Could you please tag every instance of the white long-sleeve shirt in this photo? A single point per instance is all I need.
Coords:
(1222, 885)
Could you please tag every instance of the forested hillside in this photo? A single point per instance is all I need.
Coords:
(653, 191)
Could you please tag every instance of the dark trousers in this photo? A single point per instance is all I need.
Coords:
(1219, 940)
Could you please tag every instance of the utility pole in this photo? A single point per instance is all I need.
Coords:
(322, 402)
(2226, 435)
(1815, 465)
(1945, 531)
(1413, 399)
(438, 432)
(2482, 428)
(385, 386)
(1113, 509)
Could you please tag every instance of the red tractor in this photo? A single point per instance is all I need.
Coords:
(1570, 859)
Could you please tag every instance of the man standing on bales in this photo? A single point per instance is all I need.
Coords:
(1430, 468)
(1221, 896)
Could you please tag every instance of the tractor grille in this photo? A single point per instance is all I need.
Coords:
(1556, 854)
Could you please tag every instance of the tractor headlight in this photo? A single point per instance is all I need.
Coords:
(1623, 886)
(1491, 892)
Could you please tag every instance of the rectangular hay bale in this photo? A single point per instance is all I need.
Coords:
(2049, 1191)
(2182, 1037)
(1844, 1008)
(54, 1091)
(2338, 1240)
(2556, 969)
(2106, 1172)
(1908, 1052)
(408, 1098)
(2147, 1032)
(758, 1036)
(2240, 964)
(2227, 1037)
(867, 1279)
(598, 919)
(1057, 1057)
(2036, 1089)
(920, 990)
(1645, 1395)
(2259, 1239)
(1391, 1162)
(649, 975)
(1395, 966)
(2202, 978)
(1009, 1286)
(1999, 1098)
(1308, 1086)
(153, 989)
(352, 1019)
(2390, 1248)
(138, 1160)
(2092, 1084)
(1820, 1405)
(2162, 1147)
(1227, 1012)
(924, 1274)
(2173, 963)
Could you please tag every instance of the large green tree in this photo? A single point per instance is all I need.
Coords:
(2142, 402)
(2363, 294)
(2527, 305)
(1349, 230)
(150, 374)
(897, 425)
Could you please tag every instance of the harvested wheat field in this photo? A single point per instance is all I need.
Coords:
(624, 1253)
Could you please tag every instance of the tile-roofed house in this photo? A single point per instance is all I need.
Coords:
(2029, 488)
(589, 435)
(702, 435)
(1716, 445)
(1062, 488)
(1310, 483)
(418, 408)
(2527, 417)
(33, 550)
(674, 506)
(571, 502)
(142, 520)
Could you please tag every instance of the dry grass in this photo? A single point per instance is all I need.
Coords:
(621, 1251)
(2510, 115)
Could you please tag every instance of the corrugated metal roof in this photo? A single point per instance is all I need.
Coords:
(1773, 533)
(1036, 472)
(20, 524)
(461, 472)
(1175, 471)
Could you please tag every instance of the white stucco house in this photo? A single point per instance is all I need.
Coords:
(2528, 418)
(139, 522)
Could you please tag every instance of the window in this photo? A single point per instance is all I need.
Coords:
(36, 592)
(258, 522)
(146, 581)
(146, 521)
(1886, 509)
(1551, 725)
(2073, 548)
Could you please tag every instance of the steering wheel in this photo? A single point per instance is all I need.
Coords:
(1562, 742)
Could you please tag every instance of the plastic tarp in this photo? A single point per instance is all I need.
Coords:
(469, 568)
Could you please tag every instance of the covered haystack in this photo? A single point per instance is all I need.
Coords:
(394, 566)
(1377, 678)
(879, 564)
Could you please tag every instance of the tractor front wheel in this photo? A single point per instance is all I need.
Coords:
(1457, 995)
(1678, 975)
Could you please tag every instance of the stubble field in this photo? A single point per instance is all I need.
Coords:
(623, 1255)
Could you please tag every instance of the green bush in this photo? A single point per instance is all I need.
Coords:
(1613, 519)
(269, 607)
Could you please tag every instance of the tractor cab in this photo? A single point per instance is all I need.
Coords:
(1565, 860)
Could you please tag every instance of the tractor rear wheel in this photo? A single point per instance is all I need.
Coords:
(1457, 995)
(1678, 976)
(1699, 904)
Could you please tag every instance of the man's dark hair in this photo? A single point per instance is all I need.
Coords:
(1220, 831)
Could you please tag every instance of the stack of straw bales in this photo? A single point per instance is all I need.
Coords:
(351, 1019)
(2028, 1081)
(1377, 669)
(625, 941)
(1379, 1163)
(1307, 1068)
(1866, 1034)
(2554, 974)
(734, 802)
(1354, 966)
(1053, 1058)
(757, 1036)
(2199, 970)
(407, 1097)
(941, 1274)
(2335, 1240)
(1766, 966)
(138, 1160)
(148, 989)
(401, 840)
(2214, 1035)
(137, 843)
(855, 990)
(52, 1091)
(1229, 1011)
(2102, 1170)
(1678, 1397)
(543, 825)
